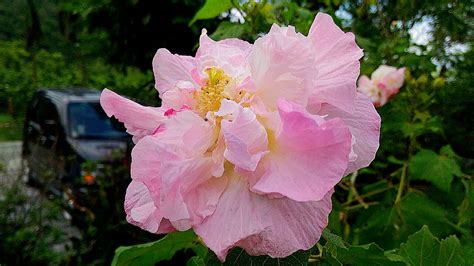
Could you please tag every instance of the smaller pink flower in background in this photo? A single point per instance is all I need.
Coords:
(385, 82)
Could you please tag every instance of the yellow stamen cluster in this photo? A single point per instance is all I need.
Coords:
(212, 93)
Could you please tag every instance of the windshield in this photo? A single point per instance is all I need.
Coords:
(88, 120)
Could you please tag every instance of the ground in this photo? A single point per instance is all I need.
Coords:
(11, 173)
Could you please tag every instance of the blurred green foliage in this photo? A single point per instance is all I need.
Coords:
(29, 231)
(23, 72)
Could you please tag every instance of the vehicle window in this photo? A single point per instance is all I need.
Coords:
(33, 109)
(47, 117)
(46, 111)
(88, 120)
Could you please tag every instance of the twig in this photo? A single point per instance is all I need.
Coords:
(402, 184)
(368, 194)
(354, 191)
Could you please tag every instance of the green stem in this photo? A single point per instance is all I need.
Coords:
(402, 184)
(363, 196)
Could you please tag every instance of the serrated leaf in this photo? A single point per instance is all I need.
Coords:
(370, 254)
(450, 252)
(437, 169)
(211, 9)
(238, 256)
(154, 252)
(333, 239)
(422, 248)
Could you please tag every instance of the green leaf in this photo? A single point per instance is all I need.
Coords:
(422, 248)
(333, 240)
(154, 252)
(370, 254)
(437, 169)
(389, 225)
(229, 30)
(211, 9)
(450, 252)
(342, 253)
(196, 261)
(238, 256)
(417, 210)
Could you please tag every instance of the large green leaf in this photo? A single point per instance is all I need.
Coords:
(154, 252)
(211, 9)
(339, 253)
(238, 256)
(370, 254)
(422, 248)
(417, 210)
(434, 168)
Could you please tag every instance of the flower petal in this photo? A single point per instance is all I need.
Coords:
(260, 225)
(241, 44)
(141, 210)
(282, 66)
(238, 215)
(180, 96)
(337, 63)
(309, 158)
(188, 130)
(139, 120)
(177, 179)
(364, 125)
(227, 55)
(182, 187)
(293, 226)
(170, 69)
(394, 80)
(245, 138)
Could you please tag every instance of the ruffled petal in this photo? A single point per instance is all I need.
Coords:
(177, 179)
(142, 211)
(241, 44)
(238, 215)
(245, 138)
(229, 55)
(364, 125)
(308, 159)
(189, 131)
(260, 225)
(170, 69)
(182, 187)
(282, 66)
(182, 96)
(337, 63)
(293, 226)
(139, 120)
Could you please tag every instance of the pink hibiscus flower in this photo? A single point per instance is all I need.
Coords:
(250, 139)
(384, 83)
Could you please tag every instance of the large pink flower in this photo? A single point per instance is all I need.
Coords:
(384, 83)
(250, 139)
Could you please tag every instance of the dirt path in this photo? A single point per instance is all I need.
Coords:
(10, 161)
